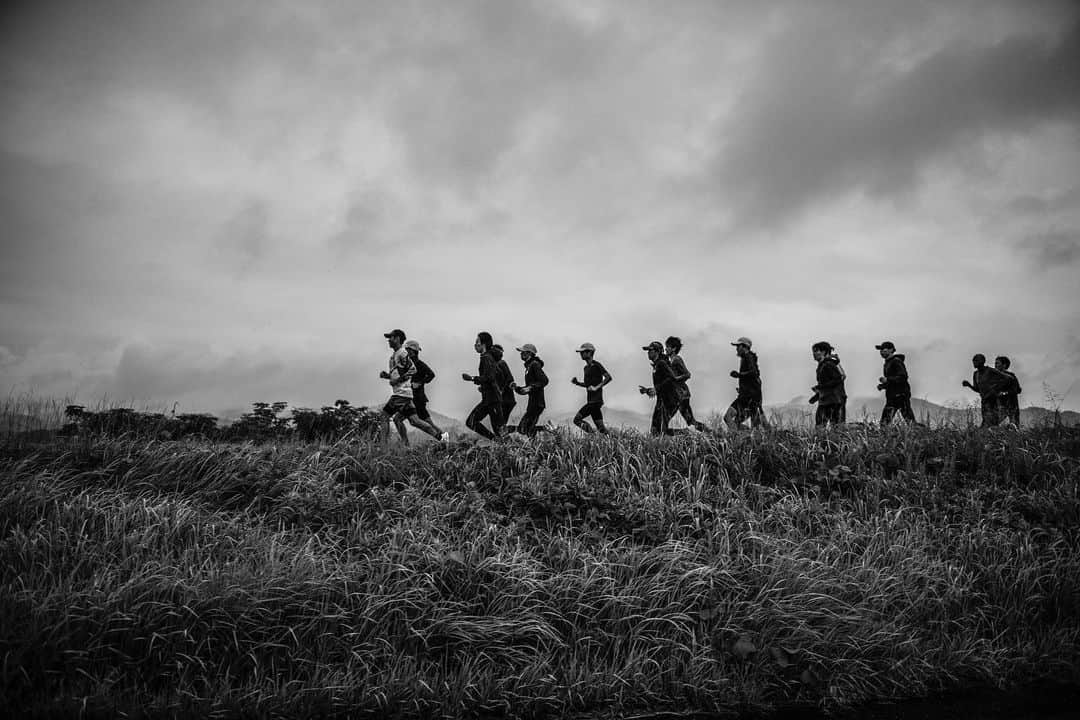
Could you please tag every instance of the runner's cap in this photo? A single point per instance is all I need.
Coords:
(744, 341)
(886, 345)
(527, 347)
(396, 331)
(412, 345)
(586, 346)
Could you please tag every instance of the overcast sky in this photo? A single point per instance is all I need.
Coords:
(217, 203)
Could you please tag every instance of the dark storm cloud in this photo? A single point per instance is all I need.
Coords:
(197, 50)
(461, 90)
(1053, 249)
(828, 115)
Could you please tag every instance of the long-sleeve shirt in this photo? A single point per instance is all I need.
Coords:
(423, 375)
(830, 382)
(749, 376)
(487, 379)
(536, 380)
(663, 378)
(896, 377)
(988, 382)
(506, 379)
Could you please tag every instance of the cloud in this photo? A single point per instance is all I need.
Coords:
(1053, 249)
(827, 115)
(1047, 203)
(243, 240)
(185, 182)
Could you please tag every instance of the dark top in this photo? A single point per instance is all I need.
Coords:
(830, 382)
(663, 379)
(422, 377)
(594, 375)
(678, 368)
(1011, 386)
(536, 380)
(488, 380)
(749, 377)
(506, 379)
(896, 378)
(988, 382)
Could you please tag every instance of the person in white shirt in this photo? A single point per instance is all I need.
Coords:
(400, 405)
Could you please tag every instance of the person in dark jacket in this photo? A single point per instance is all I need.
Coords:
(423, 375)
(595, 377)
(673, 346)
(894, 381)
(535, 382)
(664, 389)
(506, 383)
(747, 404)
(490, 393)
(829, 393)
(1009, 397)
(988, 384)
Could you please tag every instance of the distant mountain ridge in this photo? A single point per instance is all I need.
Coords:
(798, 411)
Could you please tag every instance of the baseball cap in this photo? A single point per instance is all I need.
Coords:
(412, 345)
(586, 346)
(527, 347)
(744, 341)
(396, 331)
(885, 345)
(654, 345)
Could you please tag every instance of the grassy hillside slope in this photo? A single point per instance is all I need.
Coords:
(605, 574)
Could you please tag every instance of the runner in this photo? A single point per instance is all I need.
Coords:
(829, 391)
(400, 404)
(747, 404)
(424, 374)
(894, 381)
(535, 382)
(490, 394)
(665, 389)
(596, 377)
(988, 385)
(1009, 399)
(506, 384)
(673, 346)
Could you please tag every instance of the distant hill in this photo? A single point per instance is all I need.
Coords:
(456, 428)
(798, 411)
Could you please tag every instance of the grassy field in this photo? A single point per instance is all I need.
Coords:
(601, 575)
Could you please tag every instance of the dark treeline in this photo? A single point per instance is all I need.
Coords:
(266, 421)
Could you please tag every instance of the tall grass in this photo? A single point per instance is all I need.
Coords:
(26, 414)
(610, 573)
